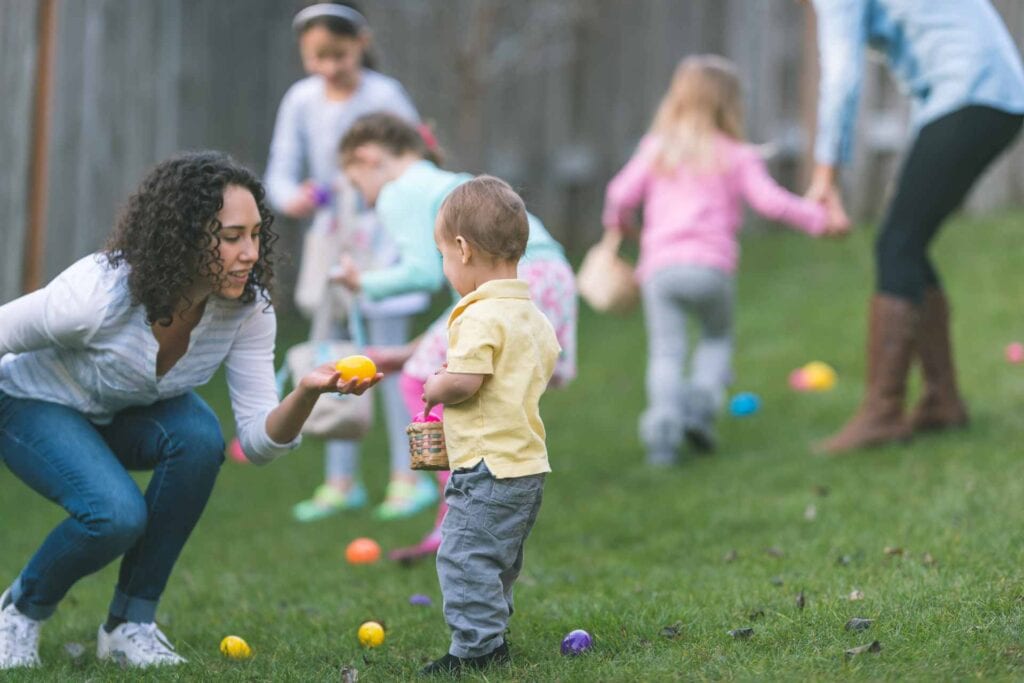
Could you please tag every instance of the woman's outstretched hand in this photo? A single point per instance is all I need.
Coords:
(325, 379)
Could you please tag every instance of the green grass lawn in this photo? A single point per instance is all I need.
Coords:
(623, 551)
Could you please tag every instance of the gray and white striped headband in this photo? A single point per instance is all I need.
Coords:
(326, 9)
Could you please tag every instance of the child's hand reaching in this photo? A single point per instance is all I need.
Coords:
(389, 358)
(837, 222)
(304, 202)
(431, 391)
(346, 274)
(824, 190)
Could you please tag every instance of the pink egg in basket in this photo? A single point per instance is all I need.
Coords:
(426, 442)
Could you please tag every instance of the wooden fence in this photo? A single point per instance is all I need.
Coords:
(552, 95)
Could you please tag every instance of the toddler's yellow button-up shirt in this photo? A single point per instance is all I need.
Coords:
(497, 331)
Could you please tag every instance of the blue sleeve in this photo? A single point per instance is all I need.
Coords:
(842, 35)
(287, 160)
(410, 223)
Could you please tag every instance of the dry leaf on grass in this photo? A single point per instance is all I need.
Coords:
(873, 646)
(774, 551)
(856, 595)
(892, 550)
(730, 556)
(858, 624)
(811, 513)
(672, 630)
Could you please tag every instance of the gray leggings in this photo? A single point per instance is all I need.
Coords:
(669, 296)
(342, 459)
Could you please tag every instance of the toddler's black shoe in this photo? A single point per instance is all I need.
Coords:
(450, 665)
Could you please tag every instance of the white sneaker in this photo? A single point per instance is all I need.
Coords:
(139, 645)
(19, 638)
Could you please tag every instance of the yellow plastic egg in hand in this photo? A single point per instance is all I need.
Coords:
(355, 367)
(234, 647)
(371, 634)
(819, 376)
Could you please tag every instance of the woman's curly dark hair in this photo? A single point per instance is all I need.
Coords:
(164, 232)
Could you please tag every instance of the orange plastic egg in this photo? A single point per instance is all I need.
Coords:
(362, 551)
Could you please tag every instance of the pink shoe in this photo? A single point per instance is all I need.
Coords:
(425, 548)
(236, 452)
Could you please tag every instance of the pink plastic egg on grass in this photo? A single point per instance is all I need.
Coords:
(1015, 353)
(799, 381)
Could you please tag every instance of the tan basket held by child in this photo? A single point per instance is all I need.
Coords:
(426, 446)
(605, 280)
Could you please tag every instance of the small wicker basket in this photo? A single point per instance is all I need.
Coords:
(426, 446)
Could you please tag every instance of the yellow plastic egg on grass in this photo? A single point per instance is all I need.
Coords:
(819, 376)
(234, 647)
(371, 634)
(356, 367)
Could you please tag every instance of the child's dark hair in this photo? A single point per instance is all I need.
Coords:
(487, 213)
(394, 134)
(349, 22)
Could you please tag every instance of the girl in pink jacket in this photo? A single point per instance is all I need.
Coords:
(693, 173)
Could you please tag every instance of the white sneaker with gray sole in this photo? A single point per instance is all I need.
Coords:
(19, 638)
(139, 645)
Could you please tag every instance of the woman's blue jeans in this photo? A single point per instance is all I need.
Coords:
(84, 468)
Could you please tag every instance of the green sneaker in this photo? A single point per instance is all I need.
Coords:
(404, 499)
(327, 501)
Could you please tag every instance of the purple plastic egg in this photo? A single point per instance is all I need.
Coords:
(321, 195)
(420, 599)
(576, 643)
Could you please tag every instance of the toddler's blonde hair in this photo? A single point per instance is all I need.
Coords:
(703, 100)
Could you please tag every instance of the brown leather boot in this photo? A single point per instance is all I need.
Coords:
(892, 325)
(940, 405)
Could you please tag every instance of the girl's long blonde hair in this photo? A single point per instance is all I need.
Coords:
(704, 100)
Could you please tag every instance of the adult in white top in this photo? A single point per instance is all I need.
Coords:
(97, 372)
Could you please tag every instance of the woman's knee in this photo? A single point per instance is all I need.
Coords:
(196, 436)
(203, 450)
(118, 520)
